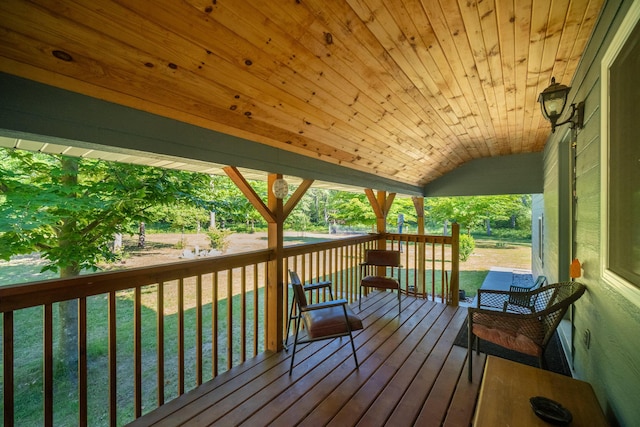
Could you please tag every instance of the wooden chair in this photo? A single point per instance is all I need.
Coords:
(369, 271)
(324, 320)
(296, 317)
(527, 333)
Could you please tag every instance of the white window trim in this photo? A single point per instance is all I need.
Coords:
(626, 289)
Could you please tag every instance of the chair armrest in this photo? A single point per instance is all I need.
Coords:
(317, 285)
(325, 304)
(492, 298)
(514, 288)
(500, 313)
(515, 299)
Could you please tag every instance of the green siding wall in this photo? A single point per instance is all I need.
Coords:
(611, 363)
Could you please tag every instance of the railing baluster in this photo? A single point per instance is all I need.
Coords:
(264, 286)
(181, 373)
(285, 294)
(113, 366)
(82, 362)
(340, 261)
(256, 310)
(214, 325)
(407, 267)
(137, 352)
(317, 262)
(442, 281)
(48, 364)
(229, 320)
(7, 367)
(160, 342)
(243, 315)
(415, 268)
(433, 271)
(199, 329)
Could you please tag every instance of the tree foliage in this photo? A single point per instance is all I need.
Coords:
(69, 209)
(471, 212)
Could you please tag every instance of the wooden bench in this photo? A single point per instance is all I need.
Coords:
(507, 387)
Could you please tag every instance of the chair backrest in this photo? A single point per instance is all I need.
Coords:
(298, 290)
(557, 297)
(520, 295)
(382, 258)
(540, 282)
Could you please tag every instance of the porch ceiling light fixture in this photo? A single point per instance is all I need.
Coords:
(553, 101)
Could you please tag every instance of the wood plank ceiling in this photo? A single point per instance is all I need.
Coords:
(405, 89)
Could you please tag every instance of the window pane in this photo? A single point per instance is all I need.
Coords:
(624, 166)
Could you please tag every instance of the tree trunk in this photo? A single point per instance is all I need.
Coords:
(68, 337)
(141, 236)
(68, 310)
(117, 243)
(488, 222)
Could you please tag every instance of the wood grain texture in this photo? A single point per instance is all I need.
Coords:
(406, 90)
(507, 387)
(397, 352)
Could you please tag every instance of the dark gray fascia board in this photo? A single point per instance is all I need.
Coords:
(511, 174)
(36, 109)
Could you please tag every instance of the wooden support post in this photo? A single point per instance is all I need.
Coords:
(275, 283)
(381, 220)
(381, 205)
(274, 212)
(454, 285)
(418, 204)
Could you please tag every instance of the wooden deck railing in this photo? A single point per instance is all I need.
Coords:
(147, 335)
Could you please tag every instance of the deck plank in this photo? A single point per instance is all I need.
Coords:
(415, 395)
(237, 406)
(302, 401)
(460, 411)
(366, 377)
(386, 402)
(410, 372)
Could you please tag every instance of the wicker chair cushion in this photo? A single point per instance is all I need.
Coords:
(523, 335)
(329, 321)
(380, 282)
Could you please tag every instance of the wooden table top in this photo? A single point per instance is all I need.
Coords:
(507, 387)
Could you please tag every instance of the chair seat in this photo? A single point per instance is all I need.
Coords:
(380, 282)
(523, 335)
(329, 321)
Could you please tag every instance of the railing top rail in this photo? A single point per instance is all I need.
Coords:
(428, 238)
(14, 297)
(329, 244)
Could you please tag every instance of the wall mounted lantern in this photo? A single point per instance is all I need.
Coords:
(553, 101)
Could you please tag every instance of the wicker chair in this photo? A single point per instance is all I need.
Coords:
(527, 333)
(520, 299)
(324, 320)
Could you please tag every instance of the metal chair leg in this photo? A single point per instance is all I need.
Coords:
(293, 353)
(470, 350)
(286, 340)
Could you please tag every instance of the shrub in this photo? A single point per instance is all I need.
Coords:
(218, 238)
(467, 245)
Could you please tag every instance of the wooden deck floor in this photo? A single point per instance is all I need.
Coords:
(410, 374)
